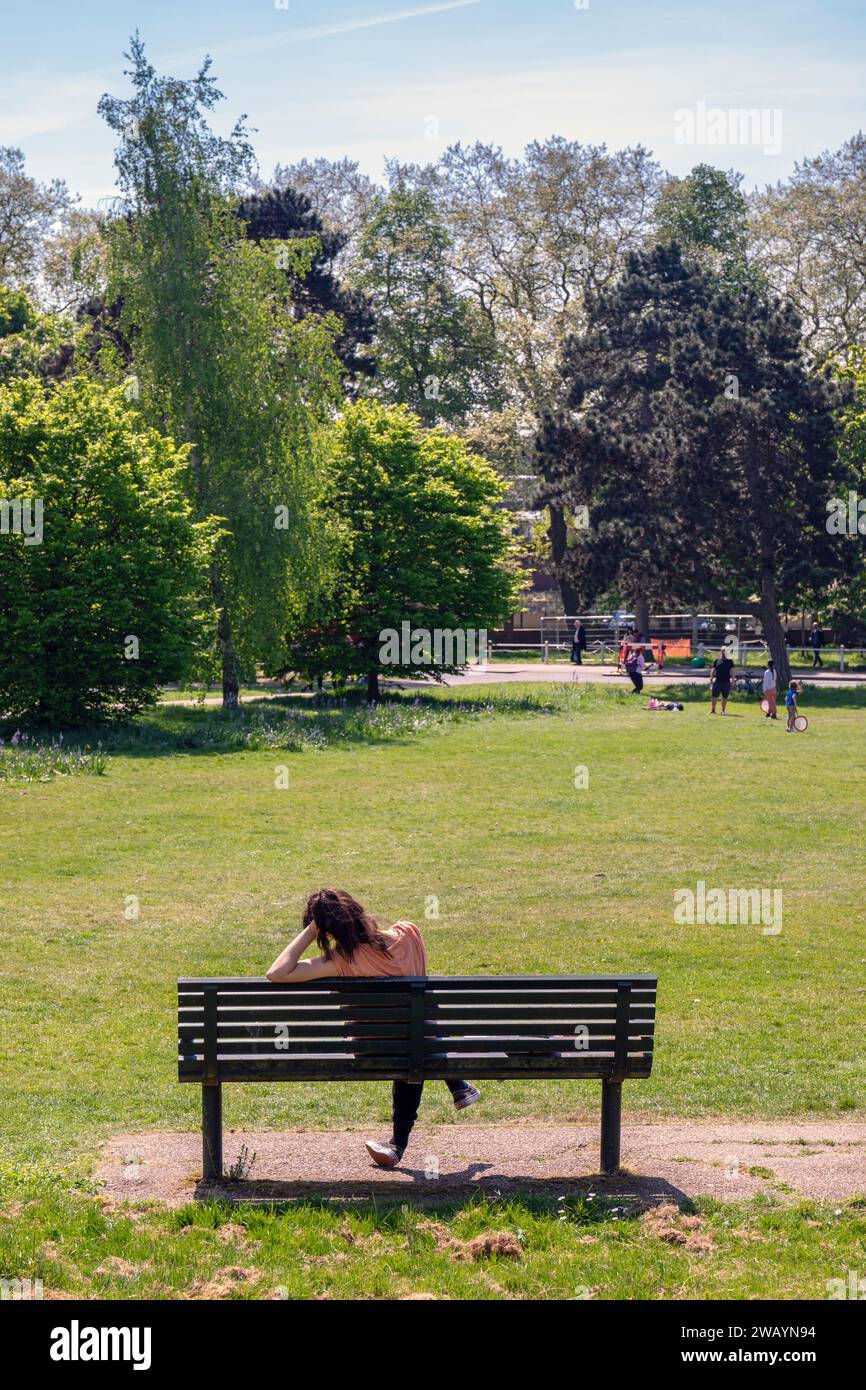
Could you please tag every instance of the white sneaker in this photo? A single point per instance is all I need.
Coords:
(384, 1154)
(467, 1098)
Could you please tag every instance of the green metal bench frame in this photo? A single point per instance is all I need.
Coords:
(416, 1029)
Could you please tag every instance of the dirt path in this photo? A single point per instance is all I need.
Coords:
(663, 1161)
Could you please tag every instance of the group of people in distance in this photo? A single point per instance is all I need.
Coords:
(721, 672)
(633, 658)
(634, 652)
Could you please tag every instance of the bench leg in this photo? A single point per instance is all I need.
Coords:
(611, 1116)
(212, 1132)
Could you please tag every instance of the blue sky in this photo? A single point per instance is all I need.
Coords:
(370, 78)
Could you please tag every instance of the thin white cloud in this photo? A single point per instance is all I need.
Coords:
(265, 42)
(581, 101)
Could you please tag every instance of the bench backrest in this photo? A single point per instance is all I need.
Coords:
(408, 1028)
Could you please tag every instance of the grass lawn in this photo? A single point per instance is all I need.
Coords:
(467, 798)
(575, 1248)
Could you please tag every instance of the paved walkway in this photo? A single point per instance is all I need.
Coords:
(663, 1161)
(503, 673)
(498, 672)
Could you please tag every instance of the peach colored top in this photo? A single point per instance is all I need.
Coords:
(406, 955)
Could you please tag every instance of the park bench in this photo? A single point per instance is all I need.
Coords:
(416, 1029)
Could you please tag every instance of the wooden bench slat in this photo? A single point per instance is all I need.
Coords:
(337, 1029)
(443, 1018)
(350, 982)
(522, 1066)
(387, 999)
(437, 1000)
(285, 1013)
(257, 1047)
(523, 1044)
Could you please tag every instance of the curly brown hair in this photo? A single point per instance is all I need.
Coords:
(342, 924)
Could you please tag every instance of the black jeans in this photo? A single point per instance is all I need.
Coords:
(406, 1097)
(816, 658)
(636, 680)
(576, 654)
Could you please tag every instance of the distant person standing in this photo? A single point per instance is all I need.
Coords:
(720, 677)
(578, 643)
(769, 687)
(791, 706)
(816, 641)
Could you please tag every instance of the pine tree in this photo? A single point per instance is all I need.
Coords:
(757, 462)
(284, 214)
(703, 447)
(609, 449)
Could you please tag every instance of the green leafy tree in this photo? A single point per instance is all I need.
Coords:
(32, 342)
(435, 349)
(217, 361)
(705, 213)
(99, 557)
(417, 537)
(843, 606)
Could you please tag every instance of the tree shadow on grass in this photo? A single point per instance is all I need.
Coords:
(293, 723)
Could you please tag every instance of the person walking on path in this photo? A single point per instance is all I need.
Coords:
(353, 943)
(769, 688)
(816, 641)
(720, 677)
(634, 664)
(578, 643)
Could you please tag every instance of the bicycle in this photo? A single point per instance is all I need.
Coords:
(748, 684)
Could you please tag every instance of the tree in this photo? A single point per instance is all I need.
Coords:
(99, 558)
(810, 237)
(702, 445)
(843, 603)
(28, 212)
(705, 213)
(31, 342)
(532, 237)
(340, 195)
(607, 451)
(435, 349)
(758, 462)
(418, 538)
(283, 215)
(75, 260)
(217, 361)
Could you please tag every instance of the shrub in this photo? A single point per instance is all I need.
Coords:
(98, 555)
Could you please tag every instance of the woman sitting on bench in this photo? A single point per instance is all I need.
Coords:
(353, 943)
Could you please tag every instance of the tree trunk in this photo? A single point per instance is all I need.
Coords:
(558, 533)
(228, 656)
(373, 685)
(773, 630)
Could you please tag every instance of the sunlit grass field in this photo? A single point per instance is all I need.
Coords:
(465, 804)
(480, 812)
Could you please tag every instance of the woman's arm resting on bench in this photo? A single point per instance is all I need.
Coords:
(289, 968)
